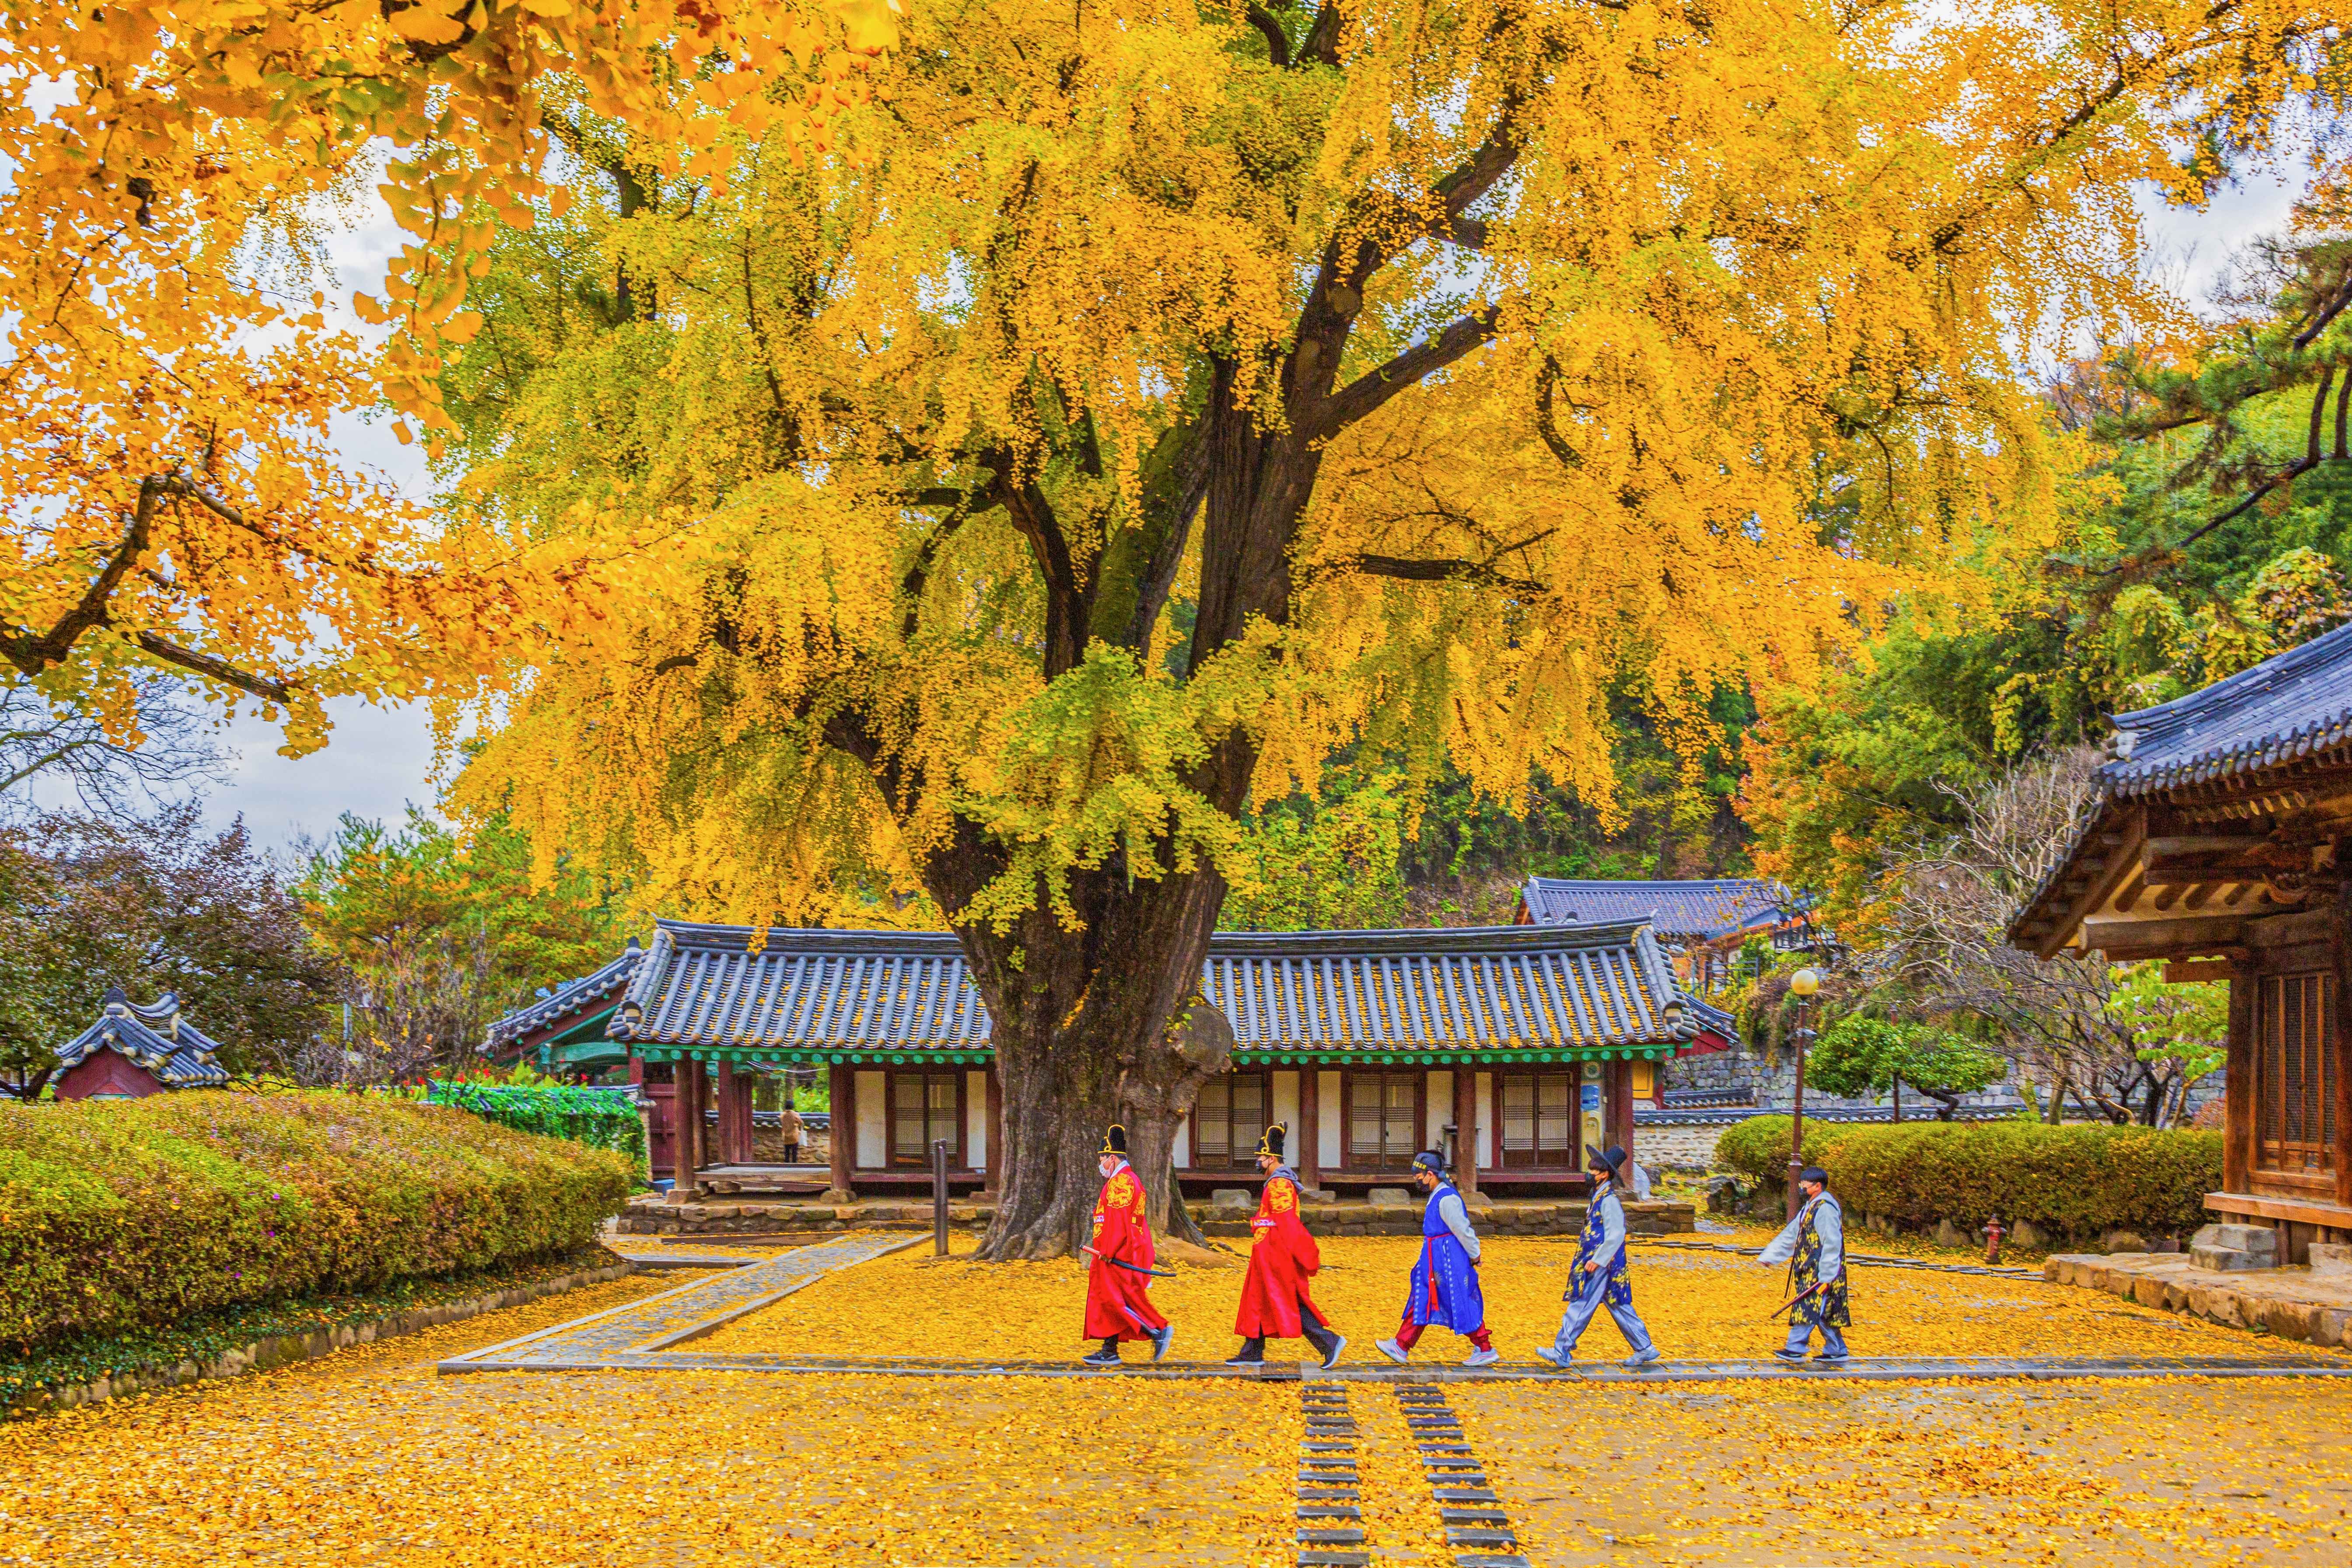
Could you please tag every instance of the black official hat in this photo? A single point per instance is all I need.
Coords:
(1610, 1160)
(1269, 1142)
(1115, 1142)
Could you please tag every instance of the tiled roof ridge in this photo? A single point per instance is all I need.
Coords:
(2139, 766)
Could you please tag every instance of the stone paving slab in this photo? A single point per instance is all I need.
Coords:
(1857, 1260)
(675, 1316)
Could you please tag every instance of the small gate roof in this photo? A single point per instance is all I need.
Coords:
(155, 1037)
(1496, 993)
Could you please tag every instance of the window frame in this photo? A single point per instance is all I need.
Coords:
(956, 1152)
(1351, 1080)
(1240, 1151)
(1539, 1158)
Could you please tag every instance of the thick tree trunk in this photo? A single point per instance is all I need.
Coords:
(1089, 1028)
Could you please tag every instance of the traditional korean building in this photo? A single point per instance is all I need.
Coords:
(133, 1050)
(1702, 924)
(1369, 1045)
(2216, 843)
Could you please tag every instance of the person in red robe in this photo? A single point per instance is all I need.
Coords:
(1275, 1301)
(1119, 1279)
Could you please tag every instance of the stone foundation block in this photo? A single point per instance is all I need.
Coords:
(2259, 1241)
(2225, 1260)
(2331, 1258)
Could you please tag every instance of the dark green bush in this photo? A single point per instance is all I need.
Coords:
(120, 1215)
(2068, 1181)
(600, 1117)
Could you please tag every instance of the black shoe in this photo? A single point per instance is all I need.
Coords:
(1247, 1358)
(1101, 1358)
(1331, 1352)
(1159, 1338)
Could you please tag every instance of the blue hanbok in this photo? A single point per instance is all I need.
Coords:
(1445, 1282)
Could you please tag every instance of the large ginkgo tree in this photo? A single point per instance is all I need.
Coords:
(1137, 401)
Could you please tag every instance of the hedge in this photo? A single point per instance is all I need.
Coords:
(600, 1117)
(2067, 1181)
(121, 1215)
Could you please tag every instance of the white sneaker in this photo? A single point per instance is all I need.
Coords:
(1551, 1354)
(1392, 1349)
(1482, 1358)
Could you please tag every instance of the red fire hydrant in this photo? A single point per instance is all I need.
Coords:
(1994, 1231)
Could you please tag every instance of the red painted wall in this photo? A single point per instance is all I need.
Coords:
(107, 1072)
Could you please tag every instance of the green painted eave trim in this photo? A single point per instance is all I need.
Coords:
(589, 1030)
(753, 1055)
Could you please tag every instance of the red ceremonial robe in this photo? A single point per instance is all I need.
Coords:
(1117, 1306)
(1281, 1263)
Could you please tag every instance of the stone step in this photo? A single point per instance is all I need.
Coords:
(1473, 1516)
(1463, 1494)
(1489, 1559)
(1459, 1479)
(1322, 1557)
(1480, 1538)
(1330, 1538)
(1307, 1510)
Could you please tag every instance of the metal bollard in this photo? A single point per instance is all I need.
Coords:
(940, 1196)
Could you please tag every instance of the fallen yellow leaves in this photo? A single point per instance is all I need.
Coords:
(2182, 1473)
(1697, 1306)
(369, 1457)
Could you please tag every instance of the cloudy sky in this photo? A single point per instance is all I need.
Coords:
(381, 758)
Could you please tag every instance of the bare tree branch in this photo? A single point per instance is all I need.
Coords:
(1375, 387)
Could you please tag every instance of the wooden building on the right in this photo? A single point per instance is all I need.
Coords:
(2216, 842)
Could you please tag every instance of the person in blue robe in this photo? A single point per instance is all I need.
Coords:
(1445, 1288)
(1598, 1277)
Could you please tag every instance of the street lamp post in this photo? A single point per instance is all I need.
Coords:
(1801, 985)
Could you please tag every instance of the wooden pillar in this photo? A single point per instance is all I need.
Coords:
(726, 1132)
(1617, 1107)
(1465, 1126)
(685, 1126)
(843, 1097)
(2238, 1105)
(1306, 1158)
(996, 1161)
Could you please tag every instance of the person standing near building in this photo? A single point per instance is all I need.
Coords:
(1600, 1277)
(1118, 1282)
(1813, 1246)
(1445, 1288)
(1275, 1301)
(788, 1123)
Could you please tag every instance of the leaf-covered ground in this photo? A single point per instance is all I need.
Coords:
(1697, 1306)
(368, 1456)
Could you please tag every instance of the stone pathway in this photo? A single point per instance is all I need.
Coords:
(633, 1334)
(1330, 1512)
(1478, 1532)
(1858, 1259)
(649, 1336)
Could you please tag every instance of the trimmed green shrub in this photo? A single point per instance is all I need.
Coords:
(600, 1117)
(2068, 1181)
(1757, 1148)
(120, 1215)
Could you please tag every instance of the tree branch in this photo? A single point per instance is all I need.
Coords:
(1375, 387)
(1481, 573)
(218, 669)
(1277, 42)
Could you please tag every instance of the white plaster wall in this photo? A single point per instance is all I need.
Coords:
(873, 1122)
(1331, 1121)
(1184, 1155)
(1286, 1108)
(1486, 1092)
(1437, 1108)
(975, 1120)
